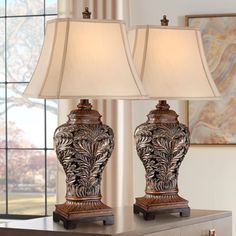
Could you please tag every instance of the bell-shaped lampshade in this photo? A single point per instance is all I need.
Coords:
(85, 59)
(171, 63)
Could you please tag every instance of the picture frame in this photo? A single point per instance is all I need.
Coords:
(214, 122)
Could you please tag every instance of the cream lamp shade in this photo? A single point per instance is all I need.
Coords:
(85, 59)
(171, 63)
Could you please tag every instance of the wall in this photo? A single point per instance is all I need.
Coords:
(207, 175)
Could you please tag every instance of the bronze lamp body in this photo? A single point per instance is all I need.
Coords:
(161, 144)
(83, 147)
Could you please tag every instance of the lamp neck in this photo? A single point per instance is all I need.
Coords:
(84, 114)
(162, 105)
(162, 114)
(84, 104)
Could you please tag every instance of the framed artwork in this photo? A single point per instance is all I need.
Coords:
(214, 122)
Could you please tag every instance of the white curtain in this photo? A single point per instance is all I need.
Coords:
(117, 184)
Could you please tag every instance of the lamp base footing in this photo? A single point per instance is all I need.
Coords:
(71, 224)
(161, 204)
(84, 211)
(150, 215)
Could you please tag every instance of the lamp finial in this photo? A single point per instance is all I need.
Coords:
(86, 13)
(164, 21)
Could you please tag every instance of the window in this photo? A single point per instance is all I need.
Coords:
(27, 159)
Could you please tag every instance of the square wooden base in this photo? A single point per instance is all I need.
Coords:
(150, 207)
(150, 215)
(84, 211)
(71, 224)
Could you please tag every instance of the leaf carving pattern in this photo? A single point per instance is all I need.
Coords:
(83, 150)
(161, 148)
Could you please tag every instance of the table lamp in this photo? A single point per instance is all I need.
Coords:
(172, 65)
(84, 59)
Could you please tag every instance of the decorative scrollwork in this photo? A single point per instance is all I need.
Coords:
(83, 150)
(161, 148)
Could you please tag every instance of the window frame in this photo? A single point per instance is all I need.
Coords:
(45, 149)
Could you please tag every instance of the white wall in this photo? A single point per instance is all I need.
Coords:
(208, 174)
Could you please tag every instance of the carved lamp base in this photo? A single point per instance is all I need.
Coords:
(161, 144)
(73, 212)
(83, 147)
